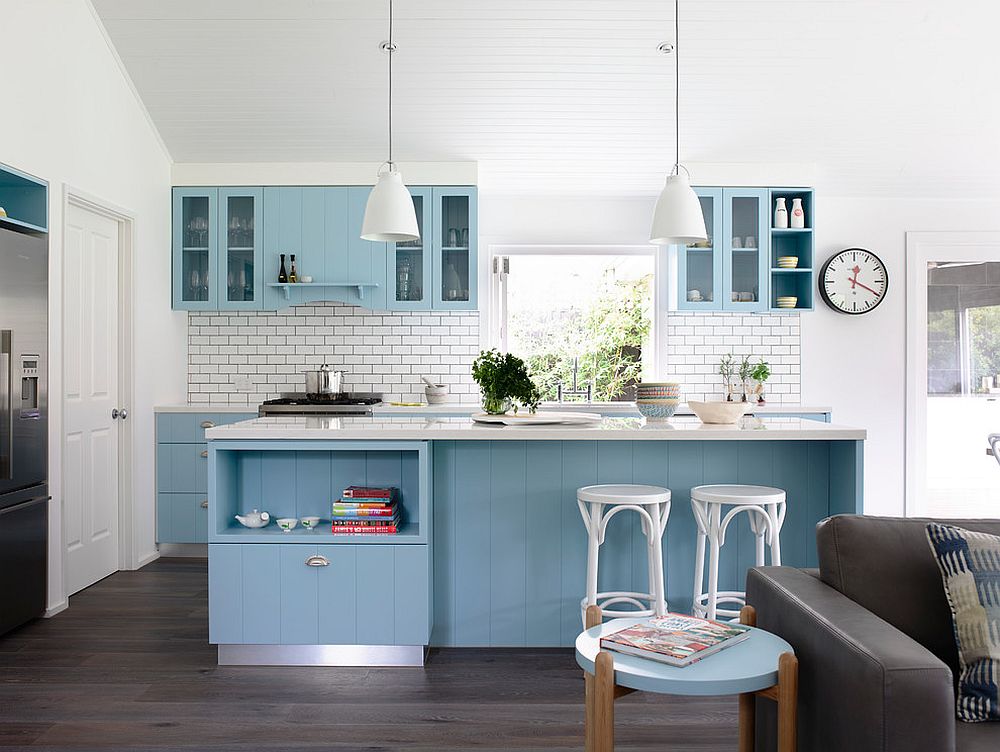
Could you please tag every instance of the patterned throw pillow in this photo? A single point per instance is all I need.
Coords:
(970, 566)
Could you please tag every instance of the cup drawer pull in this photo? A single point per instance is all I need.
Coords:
(207, 424)
(204, 453)
(317, 561)
(204, 504)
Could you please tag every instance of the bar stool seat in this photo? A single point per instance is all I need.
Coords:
(598, 504)
(765, 508)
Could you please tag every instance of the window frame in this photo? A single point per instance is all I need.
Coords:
(492, 325)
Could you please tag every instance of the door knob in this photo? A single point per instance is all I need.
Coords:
(119, 413)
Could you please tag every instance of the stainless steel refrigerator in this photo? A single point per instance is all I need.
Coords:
(24, 493)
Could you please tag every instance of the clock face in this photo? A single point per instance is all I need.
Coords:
(854, 281)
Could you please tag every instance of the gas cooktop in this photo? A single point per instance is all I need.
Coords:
(346, 403)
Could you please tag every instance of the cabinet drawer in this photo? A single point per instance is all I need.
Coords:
(189, 428)
(182, 468)
(268, 594)
(181, 518)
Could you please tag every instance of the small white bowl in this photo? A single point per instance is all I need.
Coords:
(309, 522)
(287, 523)
(307, 279)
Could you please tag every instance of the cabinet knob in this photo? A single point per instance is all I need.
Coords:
(207, 424)
(204, 453)
(317, 561)
(204, 504)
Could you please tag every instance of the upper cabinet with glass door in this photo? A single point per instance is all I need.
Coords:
(745, 244)
(195, 241)
(454, 248)
(699, 266)
(240, 248)
(409, 273)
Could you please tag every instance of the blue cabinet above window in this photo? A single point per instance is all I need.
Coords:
(737, 268)
(227, 246)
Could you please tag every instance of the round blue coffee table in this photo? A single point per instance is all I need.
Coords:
(762, 665)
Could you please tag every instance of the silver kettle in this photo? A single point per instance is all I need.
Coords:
(324, 381)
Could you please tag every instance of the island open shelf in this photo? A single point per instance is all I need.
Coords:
(300, 479)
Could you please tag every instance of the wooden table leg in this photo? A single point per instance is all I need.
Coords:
(603, 735)
(748, 702)
(788, 692)
(748, 719)
(594, 617)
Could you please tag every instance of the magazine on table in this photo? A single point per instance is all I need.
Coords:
(675, 639)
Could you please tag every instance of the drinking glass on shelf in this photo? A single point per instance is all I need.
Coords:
(453, 236)
(465, 237)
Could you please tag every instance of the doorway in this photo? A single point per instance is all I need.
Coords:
(96, 393)
(953, 389)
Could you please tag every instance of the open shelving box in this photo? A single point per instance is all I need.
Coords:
(796, 242)
(302, 478)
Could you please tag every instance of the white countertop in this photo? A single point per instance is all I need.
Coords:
(461, 428)
(467, 408)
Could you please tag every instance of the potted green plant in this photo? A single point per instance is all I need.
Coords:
(745, 371)
(760, 373)
(726, 370)
(505, 382)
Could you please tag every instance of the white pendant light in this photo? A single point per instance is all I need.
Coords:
(677, 218)
(389, 213)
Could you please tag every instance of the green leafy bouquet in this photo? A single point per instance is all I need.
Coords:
(503, 379)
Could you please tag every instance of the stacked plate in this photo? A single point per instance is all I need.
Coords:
(788, 262)
(657, 400)
(787, 301)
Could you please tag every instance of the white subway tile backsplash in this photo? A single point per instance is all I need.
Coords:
(697, 341)
(388, 351)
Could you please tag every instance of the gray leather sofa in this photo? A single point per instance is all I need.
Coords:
(873, 634)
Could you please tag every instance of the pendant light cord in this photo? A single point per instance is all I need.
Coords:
(389, 49)
(677, 86)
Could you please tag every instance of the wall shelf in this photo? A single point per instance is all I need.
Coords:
(359, 286)
(25, 198)
(16, 224)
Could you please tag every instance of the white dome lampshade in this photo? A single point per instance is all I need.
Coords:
(677, 219)
(389, 214)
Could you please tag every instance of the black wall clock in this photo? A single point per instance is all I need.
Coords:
(854, 281)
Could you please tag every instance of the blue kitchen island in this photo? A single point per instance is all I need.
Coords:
(492, 550)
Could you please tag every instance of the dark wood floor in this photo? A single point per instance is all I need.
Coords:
(128, 667)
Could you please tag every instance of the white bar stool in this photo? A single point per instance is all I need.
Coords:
(765, 507)
(598, 504)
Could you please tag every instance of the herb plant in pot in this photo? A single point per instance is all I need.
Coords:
(760, 373)
(505, 382)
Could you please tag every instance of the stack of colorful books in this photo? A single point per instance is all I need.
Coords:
(364, 510)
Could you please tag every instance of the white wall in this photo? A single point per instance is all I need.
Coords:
(70, 117)
(855, 365)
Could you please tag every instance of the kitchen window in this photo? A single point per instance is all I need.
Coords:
(582, 318)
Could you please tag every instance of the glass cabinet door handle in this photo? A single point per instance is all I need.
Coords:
(204, 504)
(204, 454)
(317, 561)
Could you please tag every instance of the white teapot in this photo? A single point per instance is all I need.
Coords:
(254, 519)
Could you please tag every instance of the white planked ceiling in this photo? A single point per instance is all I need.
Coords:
(882, 97)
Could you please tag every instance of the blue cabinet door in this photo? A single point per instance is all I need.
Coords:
(239, 280)
(746, 239)
(366, 259)
(408, 274)
(455, 248)
(699, 268)
(195, 249)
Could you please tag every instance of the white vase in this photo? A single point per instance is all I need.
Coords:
(780, 214)
(798, 215)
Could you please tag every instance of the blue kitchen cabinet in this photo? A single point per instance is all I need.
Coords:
(182, 474)
(699, 266)
(736, 268)
(195, 249)
(240, 275)
(799, 281)
(454, 248)
(321, 227)
(408, 276)
(217, 249)
(745, 249)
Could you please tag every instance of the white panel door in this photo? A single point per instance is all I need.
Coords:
(90, 393)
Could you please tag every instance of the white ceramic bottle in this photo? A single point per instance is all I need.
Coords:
(780, 214)
(798, 215)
